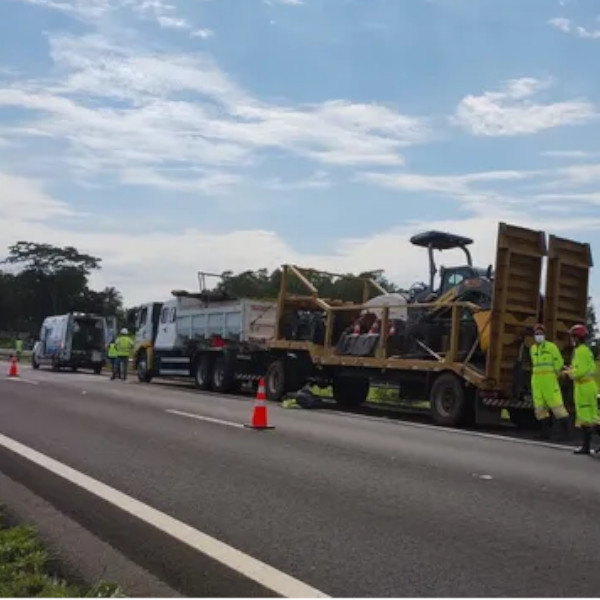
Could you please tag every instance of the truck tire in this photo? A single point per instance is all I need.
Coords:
(203, 372)
(223, 375)
(97, 369)
(350, 392)
(34, 363)
(275, 381)
(144, 374)
(449, 404)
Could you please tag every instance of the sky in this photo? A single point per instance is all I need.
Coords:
(172, 136)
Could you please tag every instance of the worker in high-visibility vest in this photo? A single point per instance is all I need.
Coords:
(547, 363)
(19, 348)
(582, 371)
(112, 357)
(124, 346)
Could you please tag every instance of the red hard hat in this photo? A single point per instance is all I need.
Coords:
(539, 327)
(579, 331)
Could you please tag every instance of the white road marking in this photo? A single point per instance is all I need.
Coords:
(29, 381)
(492, 436)
(252, 568)
(203, 418)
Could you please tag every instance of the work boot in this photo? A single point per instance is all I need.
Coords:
(565, 428)
(586, 434)
(597, 430)
(544, 433)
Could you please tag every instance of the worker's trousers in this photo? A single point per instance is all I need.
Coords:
(122, 363)
(547, 397)
(586, 403)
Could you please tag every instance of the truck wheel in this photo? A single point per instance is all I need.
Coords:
(202, 373)
(34, 363)
(448, 400)
(350, 392)
(223, 376)
(143, 373)
(523, 418)
(97, 369)
(275, 381)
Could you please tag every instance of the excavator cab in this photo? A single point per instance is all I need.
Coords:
(450, 277)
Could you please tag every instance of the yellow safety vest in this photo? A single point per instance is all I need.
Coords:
(546, 359)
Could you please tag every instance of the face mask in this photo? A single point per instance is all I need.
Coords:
(539, 339)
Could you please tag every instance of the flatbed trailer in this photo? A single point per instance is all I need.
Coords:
(468, 359)
(479, 363)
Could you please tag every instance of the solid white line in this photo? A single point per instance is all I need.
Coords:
(29, 381)
(203, 418)
(443, 429)
(246, 565)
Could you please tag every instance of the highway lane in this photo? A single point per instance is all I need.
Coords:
(351, 506)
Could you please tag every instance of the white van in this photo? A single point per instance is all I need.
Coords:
(74, 340)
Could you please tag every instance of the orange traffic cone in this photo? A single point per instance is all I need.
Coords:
(259, 414)
(13, 370)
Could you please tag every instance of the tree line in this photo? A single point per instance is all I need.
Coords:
(38, 280)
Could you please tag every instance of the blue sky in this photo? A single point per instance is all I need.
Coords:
(168, 136)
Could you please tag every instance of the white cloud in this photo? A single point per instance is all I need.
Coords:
(568, 154)
(202, 33)
(146, 266)
(287, 2)
(511, 111)
(218, 124)
(567, 26)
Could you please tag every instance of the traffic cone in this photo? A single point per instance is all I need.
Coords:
(259, 414)
(13, 370)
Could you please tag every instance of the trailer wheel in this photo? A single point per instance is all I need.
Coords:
(275, 381)
(448, 400)
(223, 376)
(202, 373)
(350, 392)
(144, 374)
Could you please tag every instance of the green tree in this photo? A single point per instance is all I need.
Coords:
(591, 320)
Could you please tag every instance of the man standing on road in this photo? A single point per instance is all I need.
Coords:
(112, 357)
(547, 363)
(582, 371)
(124, 346)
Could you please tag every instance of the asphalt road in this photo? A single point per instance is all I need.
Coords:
(351, 506)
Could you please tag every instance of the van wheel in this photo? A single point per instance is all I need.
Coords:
(448, 400)
(203, 373)
(350, 392)
(223, 376)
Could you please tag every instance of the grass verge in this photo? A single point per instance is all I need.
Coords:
(27, 571)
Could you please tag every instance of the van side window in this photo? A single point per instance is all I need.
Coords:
(165, 315)
(173, 314)
(143, 316)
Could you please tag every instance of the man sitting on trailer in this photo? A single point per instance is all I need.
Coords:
(547, 363)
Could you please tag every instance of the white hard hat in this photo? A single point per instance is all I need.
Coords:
(124, 331)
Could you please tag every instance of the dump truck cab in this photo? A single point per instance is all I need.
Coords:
(450, 277)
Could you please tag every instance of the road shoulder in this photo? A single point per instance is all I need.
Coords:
(82, 555)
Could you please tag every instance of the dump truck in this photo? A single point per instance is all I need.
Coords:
(462, 345)
(217, 340)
